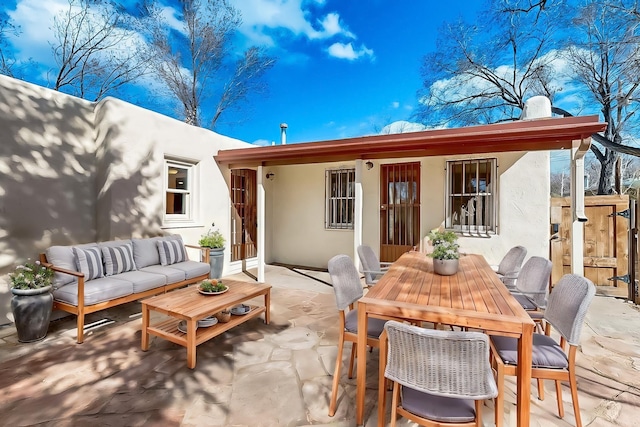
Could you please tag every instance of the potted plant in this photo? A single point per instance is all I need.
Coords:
(32, 301)
(214, 241)
(445, 252)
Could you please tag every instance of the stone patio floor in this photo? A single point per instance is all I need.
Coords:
(268, 375)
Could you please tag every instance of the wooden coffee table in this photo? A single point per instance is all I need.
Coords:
(190, 305)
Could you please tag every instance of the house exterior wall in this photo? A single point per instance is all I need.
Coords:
(72, 171)
(295, 213)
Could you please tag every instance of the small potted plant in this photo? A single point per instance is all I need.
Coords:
(32, 301)
(445, 252)
(214, 241)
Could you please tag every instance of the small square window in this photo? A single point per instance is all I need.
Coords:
(179, 191)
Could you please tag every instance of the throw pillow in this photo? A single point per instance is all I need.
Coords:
(89, 262)
(171, 251)
(118, 259)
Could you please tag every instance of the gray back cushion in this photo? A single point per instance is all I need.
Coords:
(145, 251)
(63, 257)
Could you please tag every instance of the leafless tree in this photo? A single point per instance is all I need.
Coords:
(605, 55)
(196, 63)
(96, 49)
(7, 60)
(483, 72)
(560, 183)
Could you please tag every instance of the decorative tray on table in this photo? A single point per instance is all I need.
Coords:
(204, 323)
(240, 310)
(212, 287)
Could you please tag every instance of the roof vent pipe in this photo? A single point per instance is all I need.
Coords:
(283, 133)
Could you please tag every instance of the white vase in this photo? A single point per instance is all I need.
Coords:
(445, 267)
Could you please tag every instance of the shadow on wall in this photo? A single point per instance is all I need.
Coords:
(50, 187)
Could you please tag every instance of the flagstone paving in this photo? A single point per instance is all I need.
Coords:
(268, 375)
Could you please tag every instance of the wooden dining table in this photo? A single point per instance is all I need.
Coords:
(472, 298)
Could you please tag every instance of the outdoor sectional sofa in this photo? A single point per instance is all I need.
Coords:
(95, 276)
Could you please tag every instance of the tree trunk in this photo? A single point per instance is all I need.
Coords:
(607, 176)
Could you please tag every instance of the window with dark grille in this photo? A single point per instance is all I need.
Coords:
(340, 198)
(471, 195)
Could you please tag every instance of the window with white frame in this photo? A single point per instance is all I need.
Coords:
(179, 191)
(340, 198)
(472, 195)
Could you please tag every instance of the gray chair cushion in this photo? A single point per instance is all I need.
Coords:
(375, 326)
(438, 408)
(192, 268)
(173, 275)
(95, 291)
(525, 302)
(546, 352)
(63, 257)
(145, 252)
(143, 280)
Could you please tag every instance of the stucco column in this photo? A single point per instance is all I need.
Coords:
(357, 214)
(261, 223)
(578, 151)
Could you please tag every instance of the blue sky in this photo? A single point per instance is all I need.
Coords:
(345, 68)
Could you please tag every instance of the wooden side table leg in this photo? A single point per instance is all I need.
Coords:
(191, 343)
(145, 326)
(267, 305)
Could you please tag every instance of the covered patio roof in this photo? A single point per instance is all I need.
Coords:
(526, 135)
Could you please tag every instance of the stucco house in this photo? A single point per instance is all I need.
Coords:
(74, 172)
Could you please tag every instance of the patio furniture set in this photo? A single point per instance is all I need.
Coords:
(438, 374)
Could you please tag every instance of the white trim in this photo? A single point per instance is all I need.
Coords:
(261, 222)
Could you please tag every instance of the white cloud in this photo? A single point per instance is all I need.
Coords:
(346, 51)
(402, 126)
(261, 17)
(262, 142)
(395, 104)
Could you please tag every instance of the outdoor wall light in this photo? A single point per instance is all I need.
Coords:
(369, 165)
(270, 176)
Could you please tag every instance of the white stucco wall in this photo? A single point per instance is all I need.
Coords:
(295, 212)
(76, 172)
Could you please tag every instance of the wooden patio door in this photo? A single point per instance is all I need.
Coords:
(399, 209)
(244, 214)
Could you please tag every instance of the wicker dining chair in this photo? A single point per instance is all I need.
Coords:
(532, 286)
(439, 377)
(565, 312)
(511, 263)
(348, 290)
(372, 268)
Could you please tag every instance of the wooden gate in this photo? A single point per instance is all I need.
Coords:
(606, 241)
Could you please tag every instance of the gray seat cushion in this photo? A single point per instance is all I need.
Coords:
(438, 408)
(192, 268)
(172, 275)
(525, 302)
(143, 280)
(95, 291)
(546, 352)
(375, 326)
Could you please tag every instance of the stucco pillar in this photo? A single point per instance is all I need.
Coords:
(357, 214)
(578, 151)
(261, 223)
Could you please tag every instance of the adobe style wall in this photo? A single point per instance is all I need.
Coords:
(72, 171)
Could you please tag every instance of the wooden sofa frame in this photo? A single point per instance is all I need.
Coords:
(82, 310)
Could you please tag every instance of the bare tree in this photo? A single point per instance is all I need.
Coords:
(560, 184)
(96, 49)
(7, 60)
(483, 72)
(194, 61)
(605, 55)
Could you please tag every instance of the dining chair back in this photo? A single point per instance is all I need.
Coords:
(439, 377)
(512, 262)
(566, 309)
(532, 285)
(348, 290)
(372, 268)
